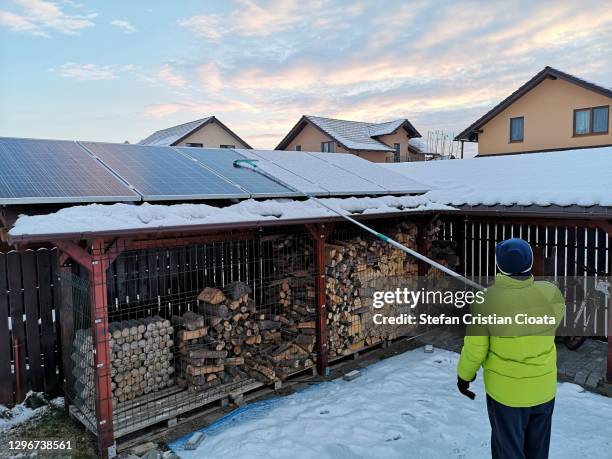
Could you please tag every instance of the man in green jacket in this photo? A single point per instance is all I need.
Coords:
(519, 360)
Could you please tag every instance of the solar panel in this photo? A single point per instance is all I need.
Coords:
(37, 171)
(162, 173)
(338, 181)
(391, 181)
(285, 175)
(221, 161)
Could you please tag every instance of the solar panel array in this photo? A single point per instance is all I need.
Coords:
(39, 171)
(221, 161)
(390, 181)
(333, 174)
(36, 171)
(162, 173)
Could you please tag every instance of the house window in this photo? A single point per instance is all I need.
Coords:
(600, 120)
(517, 129)
(591, 120)
(582, 122)
(328, 147)
(398, 151)
(298, 148)
(227, 146)
(189, 144)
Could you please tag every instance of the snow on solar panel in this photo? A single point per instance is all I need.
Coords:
(339, 181)
(55, 171)
(162, 173)
(291, 178)
(385, 178)
(221, 161)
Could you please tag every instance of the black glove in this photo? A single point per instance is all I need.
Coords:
(463, 386)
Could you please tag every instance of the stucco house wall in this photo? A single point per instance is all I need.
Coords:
(212, 135)
(309, 139)
(548, 111)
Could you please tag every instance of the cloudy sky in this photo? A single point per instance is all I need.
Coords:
(118, 70)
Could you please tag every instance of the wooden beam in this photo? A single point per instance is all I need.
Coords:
(605, 226)
(319, 235)
(102, 356)
(76, 252)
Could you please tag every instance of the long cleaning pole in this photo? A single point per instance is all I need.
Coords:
(251, 164)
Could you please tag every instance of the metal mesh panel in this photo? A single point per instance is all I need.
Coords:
(192, 324)
(82, 392)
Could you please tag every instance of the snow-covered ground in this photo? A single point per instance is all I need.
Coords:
(17, 415)
(405, 406)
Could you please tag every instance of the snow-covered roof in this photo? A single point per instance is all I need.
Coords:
(418, 144)
(385, 128)
(168, 136)
(354, 135)
(581, 177)
(99, 217)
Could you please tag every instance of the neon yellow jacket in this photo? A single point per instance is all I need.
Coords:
(519, 362)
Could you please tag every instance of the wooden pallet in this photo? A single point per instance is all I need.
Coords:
(164, 405)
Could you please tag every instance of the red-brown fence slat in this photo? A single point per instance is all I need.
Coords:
(591, 252)
(469, 247)
(17, 325)
(602, 239)
(560, 251)
(6, 378)
(30, 299)
(571, 251)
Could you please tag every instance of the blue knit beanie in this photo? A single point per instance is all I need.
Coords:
(514, 256)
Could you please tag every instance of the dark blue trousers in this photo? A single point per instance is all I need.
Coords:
(520, 433)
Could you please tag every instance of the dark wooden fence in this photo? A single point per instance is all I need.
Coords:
(566, 253)
(568, 250)
(28, 324)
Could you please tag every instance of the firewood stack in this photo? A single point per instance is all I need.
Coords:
(358, 267)
(204, 362)
(141, 360)
(141, 357)
(443, 252)
(292, 346)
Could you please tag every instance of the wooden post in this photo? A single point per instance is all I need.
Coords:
(609, 367)
(421, 241)
(606, 226)
(97, 264)
(538, 261)
(102, 355)
(459, 235)
(319, 234)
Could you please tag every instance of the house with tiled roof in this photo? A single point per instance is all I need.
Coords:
(552, 111)
(377, 142)
(206, 132)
